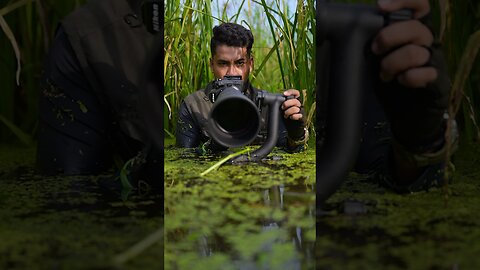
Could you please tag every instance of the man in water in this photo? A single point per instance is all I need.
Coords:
(231, 46)
(402, 146)
(90, 90)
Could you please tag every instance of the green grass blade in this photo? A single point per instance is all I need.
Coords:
(466, 63)
(138, 248)
(272, 50)
(219, 163)
(8, 32)
(12, 7)
(21, 135)
(269, 18)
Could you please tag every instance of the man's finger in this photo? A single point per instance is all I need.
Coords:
(398, 34)
(291, 103)
(290, 112)
(296, 116)
(402, 59)
(293, 92)
(418, 77)
(420, 8)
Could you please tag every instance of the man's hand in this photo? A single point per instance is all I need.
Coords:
(293, 114)
(415, 88)
(404, 46)
(292, 107)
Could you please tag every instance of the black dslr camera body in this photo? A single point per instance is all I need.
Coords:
(234, 82)
(234, 120)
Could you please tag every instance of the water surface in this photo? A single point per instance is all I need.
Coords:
(76, 222)
(249, 216)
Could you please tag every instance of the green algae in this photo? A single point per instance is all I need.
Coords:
(248, 216)
(213, 221)
(422, 230)
(255, 216)
(70, 222)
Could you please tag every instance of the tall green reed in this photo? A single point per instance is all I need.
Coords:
(294, 39)
(459, 26)
(186, 66)
(289, 39)
(32, 24)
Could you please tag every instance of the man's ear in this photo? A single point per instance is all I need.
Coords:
(211, 64)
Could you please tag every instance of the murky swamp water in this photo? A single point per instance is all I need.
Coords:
(261, 216)
(72, 222)
(250, 216)
(372, 228)
(255, 216)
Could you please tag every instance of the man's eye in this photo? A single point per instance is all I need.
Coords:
(222, 64)
(240, 64)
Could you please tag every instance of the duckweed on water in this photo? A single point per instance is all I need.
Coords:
(70, 222)
(245, 217)
(249, 216)
(411, 231)
(255, 216)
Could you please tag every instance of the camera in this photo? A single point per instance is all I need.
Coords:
(234, 82)
(234, 119)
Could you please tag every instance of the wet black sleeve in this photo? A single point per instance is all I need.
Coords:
(376, 159)
(283, 135)
(73, 137)
(431, 176)
(375, 156)
(188, 131)
(282, 140)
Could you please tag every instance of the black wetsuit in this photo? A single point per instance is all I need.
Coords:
(89, 111)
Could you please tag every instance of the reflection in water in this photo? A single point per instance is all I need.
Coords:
(274, 198)
(249, 216)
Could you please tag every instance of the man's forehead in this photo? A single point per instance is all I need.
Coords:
(230, 52)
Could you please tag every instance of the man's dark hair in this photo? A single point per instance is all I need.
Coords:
(231, 34)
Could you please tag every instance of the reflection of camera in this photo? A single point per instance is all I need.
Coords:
(227, 82)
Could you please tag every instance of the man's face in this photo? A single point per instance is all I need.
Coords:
(233, 61)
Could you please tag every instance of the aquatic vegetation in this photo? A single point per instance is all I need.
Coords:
(226, 159)
(76, 222)
(236, 216)
(404, 231)
(251, 215)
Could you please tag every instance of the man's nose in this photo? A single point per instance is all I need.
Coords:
(232, 71)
